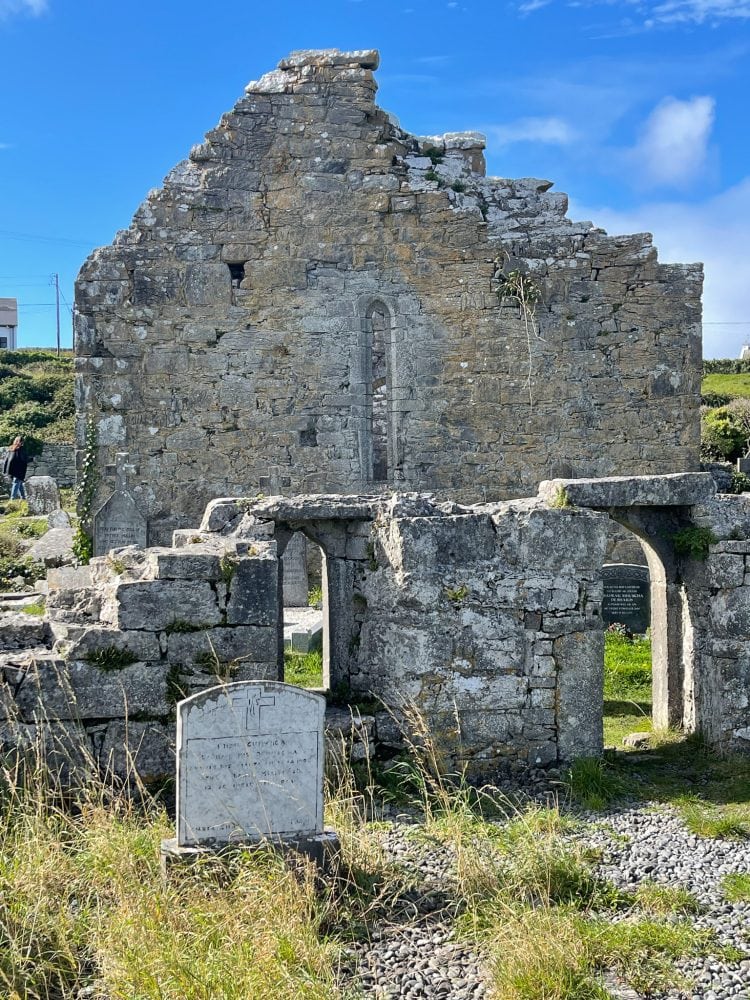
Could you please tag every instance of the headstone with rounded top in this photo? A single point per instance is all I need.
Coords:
(250, 759)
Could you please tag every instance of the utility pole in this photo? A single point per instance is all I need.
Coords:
(57, 310)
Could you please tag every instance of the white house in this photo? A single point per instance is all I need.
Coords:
(8, 323)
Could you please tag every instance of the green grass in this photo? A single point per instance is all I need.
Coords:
(16, 530)
(627, 668)
(303, 669)
(736, 887)
(727, 385)
(83, 907)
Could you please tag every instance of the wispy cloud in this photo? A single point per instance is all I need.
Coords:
(653, 13)
(713, 231)
(10, 7)
(529, 6)
(673, 146)
(550, 130)
(700, 11)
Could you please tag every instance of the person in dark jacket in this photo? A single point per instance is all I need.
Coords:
(15, 465)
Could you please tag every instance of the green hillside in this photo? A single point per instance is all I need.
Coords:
(36, 397)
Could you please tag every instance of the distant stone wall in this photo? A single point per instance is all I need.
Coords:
(317, 300)
(57, 461)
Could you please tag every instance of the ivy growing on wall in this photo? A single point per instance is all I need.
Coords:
(83, 541)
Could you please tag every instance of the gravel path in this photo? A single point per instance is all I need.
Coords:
(417, 954)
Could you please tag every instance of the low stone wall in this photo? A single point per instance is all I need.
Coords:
(477, 626)
(127, 638)
(57, 461)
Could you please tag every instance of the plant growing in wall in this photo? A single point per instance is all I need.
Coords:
(83, 542)
(693, 542)
(517, 286)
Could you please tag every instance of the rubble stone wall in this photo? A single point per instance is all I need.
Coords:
(57, 461)
(316, 300)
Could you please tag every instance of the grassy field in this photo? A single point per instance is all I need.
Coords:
(727, 385)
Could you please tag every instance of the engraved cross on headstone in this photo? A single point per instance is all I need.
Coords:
(253, 703)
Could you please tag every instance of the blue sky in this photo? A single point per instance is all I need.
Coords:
(638, 109)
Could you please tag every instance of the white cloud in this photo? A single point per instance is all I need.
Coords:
(550, 130)
(673, 147)
(529, 6)
(10, 7)
(713, 231)
(665, 12)
(699, 11)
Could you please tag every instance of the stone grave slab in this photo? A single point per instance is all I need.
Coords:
(627, 597)
(294, 563)
(42, 495)
(249, 764)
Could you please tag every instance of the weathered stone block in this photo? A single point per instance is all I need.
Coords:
(78, 690)
(253, 593)
(186, 564)
(97, 641)
(159, 604)
(250, 643)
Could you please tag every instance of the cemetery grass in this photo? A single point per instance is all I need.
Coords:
(83, 906)
(712, 792)
(303, 669)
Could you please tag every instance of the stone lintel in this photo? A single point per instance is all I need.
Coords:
(364, 58)
(681, 489)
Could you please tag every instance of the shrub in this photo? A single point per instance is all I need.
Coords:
(721, 435)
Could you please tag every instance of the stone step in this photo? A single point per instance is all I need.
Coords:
(20, 631)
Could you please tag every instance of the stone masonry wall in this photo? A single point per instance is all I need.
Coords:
(126, 638)
(57, 461)
(489, 624)
(485, 619)
(311, 262)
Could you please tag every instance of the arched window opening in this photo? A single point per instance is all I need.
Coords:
(380, 328)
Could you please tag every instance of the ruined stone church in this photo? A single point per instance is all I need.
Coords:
(316, 300)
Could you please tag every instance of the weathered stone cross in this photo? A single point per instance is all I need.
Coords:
(123, 468)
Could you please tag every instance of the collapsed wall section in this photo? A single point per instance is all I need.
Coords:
(317, 300)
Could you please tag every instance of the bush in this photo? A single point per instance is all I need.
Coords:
(721, 435)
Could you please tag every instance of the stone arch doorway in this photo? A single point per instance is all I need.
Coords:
(655, 509)
(668, 617)
(289, 538)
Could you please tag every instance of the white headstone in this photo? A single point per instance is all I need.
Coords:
(118, 522)
(249, 764)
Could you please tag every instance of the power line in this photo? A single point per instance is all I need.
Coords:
(9, 234)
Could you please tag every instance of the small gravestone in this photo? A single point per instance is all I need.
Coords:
(42, 495)
(118, 522)
(626, 596)
(294, 563)
(250, 761)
